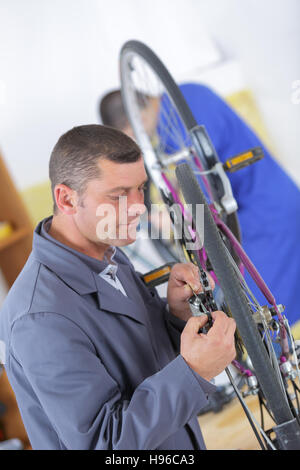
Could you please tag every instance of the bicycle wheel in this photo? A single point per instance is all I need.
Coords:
(167, 133)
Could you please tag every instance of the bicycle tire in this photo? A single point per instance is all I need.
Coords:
(235, 297)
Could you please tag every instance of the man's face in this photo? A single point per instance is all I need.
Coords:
(110, 208)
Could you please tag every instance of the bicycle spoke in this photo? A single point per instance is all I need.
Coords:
(250, 415)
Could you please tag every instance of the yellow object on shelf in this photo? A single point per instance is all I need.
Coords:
(5, 230)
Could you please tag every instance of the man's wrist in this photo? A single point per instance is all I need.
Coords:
(182, 314)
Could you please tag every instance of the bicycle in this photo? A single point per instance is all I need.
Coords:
(168, 134)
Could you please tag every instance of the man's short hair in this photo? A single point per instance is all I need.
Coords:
(74, 159)
(112, 112)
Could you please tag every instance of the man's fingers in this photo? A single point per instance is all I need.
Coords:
(188, 291)
(232, 327)
(194, 324)
(188, 273)
(223, 324)
(211, 281)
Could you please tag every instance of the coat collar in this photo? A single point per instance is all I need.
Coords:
(114, 301)
(70, 266)
(62, 260)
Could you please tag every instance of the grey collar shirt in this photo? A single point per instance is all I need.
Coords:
(96, 364)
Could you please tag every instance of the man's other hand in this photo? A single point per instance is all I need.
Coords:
(208, 354)
(183, 281)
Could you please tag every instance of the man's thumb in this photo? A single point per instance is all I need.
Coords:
(194, 324)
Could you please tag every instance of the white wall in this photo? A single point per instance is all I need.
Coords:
(3, 289)
(264, 35)
(58, 56)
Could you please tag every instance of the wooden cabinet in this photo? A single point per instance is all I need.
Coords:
(16, 247)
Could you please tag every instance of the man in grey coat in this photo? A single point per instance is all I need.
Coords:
(97, 360)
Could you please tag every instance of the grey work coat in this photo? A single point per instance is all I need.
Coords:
(92, 368)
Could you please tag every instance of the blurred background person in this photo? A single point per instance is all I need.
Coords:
(268, 199)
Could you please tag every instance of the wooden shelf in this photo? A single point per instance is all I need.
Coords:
(15, 249)
(14, 237)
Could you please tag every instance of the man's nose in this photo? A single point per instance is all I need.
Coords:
(137, 198)
(136, 209)
(136, 204)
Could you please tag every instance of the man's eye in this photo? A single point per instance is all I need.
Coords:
(115, 198)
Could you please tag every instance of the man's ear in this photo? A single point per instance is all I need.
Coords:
(66, 199)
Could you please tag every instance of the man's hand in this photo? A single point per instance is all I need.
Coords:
(208, 354)
(184, 279)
